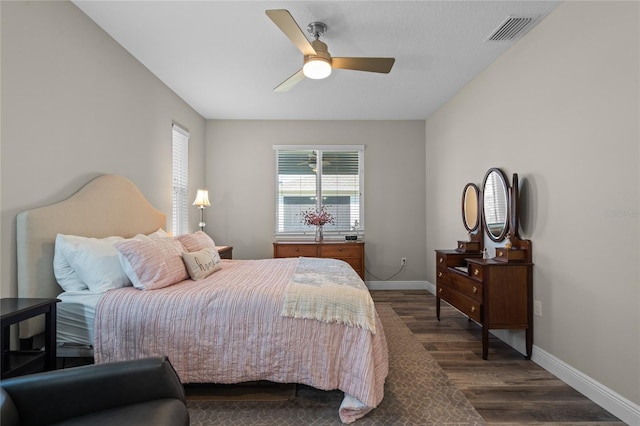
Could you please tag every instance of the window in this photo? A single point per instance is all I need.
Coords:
(309, 177)
(180, 221)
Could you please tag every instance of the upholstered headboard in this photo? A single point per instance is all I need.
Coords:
(108, 205)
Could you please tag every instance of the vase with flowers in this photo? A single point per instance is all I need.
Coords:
(318, 218)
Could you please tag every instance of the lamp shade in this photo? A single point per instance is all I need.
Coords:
(202, 198)
(316, 68)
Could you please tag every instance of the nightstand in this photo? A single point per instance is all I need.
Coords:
(225, 252)
(13, 311)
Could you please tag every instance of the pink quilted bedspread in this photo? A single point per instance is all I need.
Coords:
(227, 328)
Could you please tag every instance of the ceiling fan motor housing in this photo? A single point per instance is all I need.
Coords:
(321, 51)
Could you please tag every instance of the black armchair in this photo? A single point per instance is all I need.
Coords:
(139, 392)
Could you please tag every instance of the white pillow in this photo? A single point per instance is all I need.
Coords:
(64, 273)
(160, 233)
(94, 260)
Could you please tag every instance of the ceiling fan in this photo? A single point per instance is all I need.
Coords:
(318, 62)
(312, 162)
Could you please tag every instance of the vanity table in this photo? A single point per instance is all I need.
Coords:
(496, 293)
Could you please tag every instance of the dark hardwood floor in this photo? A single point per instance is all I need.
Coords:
(506, 388)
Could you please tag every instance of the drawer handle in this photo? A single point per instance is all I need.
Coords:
(461, 245)
(440, 290)
(476, 272)
(439, 274)
(475, 289)
(500, 254)
(441, 259)
(473, 309)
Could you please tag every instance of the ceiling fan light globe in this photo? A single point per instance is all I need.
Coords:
(316, 68)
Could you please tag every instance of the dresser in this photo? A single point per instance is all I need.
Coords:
(496, 293)
(351, 252)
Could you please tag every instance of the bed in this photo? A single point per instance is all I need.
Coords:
(249, 320)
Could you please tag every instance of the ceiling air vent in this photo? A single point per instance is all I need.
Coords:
(512, 28)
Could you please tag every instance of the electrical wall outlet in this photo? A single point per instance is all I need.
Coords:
(537, 308)
(403, 261)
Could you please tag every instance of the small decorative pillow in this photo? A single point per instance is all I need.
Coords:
(94, 261)
(152, 264)
(196, 241)
(203, 263)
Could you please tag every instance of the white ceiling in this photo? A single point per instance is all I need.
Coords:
(225, 57)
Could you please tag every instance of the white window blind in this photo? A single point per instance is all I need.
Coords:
(309, 177)
(180, 220)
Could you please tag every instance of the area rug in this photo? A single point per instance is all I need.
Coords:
(417, 392)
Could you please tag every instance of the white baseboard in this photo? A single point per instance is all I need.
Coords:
(616, 404)
(397, 285)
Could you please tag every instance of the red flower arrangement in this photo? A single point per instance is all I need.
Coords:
(317, 217)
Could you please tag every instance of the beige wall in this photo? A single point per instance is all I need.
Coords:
(560, 108)
(76, 105)
(241, 181)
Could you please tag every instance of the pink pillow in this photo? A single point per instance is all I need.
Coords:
(152, 264)
(196, 241)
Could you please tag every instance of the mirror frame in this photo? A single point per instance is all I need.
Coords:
(514, 214)
(507, 222)
(476, 224)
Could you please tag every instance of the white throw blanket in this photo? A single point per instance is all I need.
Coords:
(336, 294)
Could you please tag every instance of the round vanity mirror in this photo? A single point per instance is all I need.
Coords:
(495, 207)
(470, 207)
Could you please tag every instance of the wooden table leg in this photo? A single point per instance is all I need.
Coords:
(50, 338)
(485, 342)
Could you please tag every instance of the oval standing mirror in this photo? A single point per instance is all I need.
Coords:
(495, 207)
(470, 213)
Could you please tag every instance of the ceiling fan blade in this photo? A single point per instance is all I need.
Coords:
(382, 65)
(283, 19)
(290, 82)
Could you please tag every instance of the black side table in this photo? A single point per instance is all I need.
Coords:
(13, 311)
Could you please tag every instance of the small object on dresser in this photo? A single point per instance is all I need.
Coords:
(351, 237)
(507, 242)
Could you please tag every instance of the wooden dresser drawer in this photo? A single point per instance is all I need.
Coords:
(295, 250)
(467, 306)
(341, 251)
(356, 263)
(442, 276)
(476, 271)
(466, 286)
